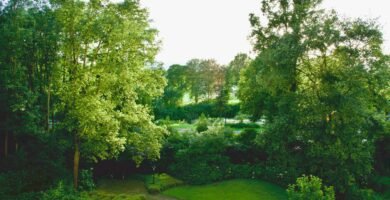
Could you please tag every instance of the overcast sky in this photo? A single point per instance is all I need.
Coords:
(219, 29)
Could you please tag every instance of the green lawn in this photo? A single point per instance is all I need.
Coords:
(118, 190)
(229, 190)
(183, 125)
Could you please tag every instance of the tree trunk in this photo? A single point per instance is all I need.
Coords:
(76, 162)
(48, 110)
(15, 140)
(6, 145)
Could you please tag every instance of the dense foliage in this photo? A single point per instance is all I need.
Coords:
(79, 86)
(321, 84)
(76, 78)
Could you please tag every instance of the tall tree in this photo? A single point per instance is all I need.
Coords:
(316, 82)
(105, 48)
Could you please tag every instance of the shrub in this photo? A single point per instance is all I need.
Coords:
(161, 182)
(86, 180)
(355, 192)
(60, 192)
(202, 160)
(202, 124)
(242, 125)
(194, 111)
(310, 187)
(381, 184)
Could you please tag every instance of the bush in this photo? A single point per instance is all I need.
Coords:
(355, 192)
(381, 184)
(60, 192)
(86, 180)
(310, 187)
(193, 111)
(202, 124)
(242, 125)
(161, 182)
(202, 160)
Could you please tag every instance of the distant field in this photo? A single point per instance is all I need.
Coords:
(229, 190)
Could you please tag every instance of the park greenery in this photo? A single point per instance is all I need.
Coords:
(86, 112)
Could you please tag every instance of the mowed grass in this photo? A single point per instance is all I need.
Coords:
(229, 190)
(118, 190)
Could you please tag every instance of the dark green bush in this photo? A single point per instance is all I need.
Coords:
(86, 180)
(244, 125)
(355, 192)
(381, 184)
(203, 159)
(193, 111)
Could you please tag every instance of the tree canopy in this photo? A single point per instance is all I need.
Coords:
(320, 83)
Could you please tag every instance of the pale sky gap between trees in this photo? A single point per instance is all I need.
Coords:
(219, 29)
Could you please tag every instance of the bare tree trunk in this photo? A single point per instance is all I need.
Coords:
(76, 160)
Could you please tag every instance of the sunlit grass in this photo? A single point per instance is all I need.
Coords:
(230, 190)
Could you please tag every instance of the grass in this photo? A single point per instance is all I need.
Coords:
(229, 190)
(134, 188)
(130, 189)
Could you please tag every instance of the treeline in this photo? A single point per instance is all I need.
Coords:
(72, 75)
(208, 86)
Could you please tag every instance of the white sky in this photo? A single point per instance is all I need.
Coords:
(219, 29)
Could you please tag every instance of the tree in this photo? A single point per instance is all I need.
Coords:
(194, 80)
(205, 77)
(177, 85)
(212, 76)
(239, 62)
(315, 80)
(104, 50)
(222, 100)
